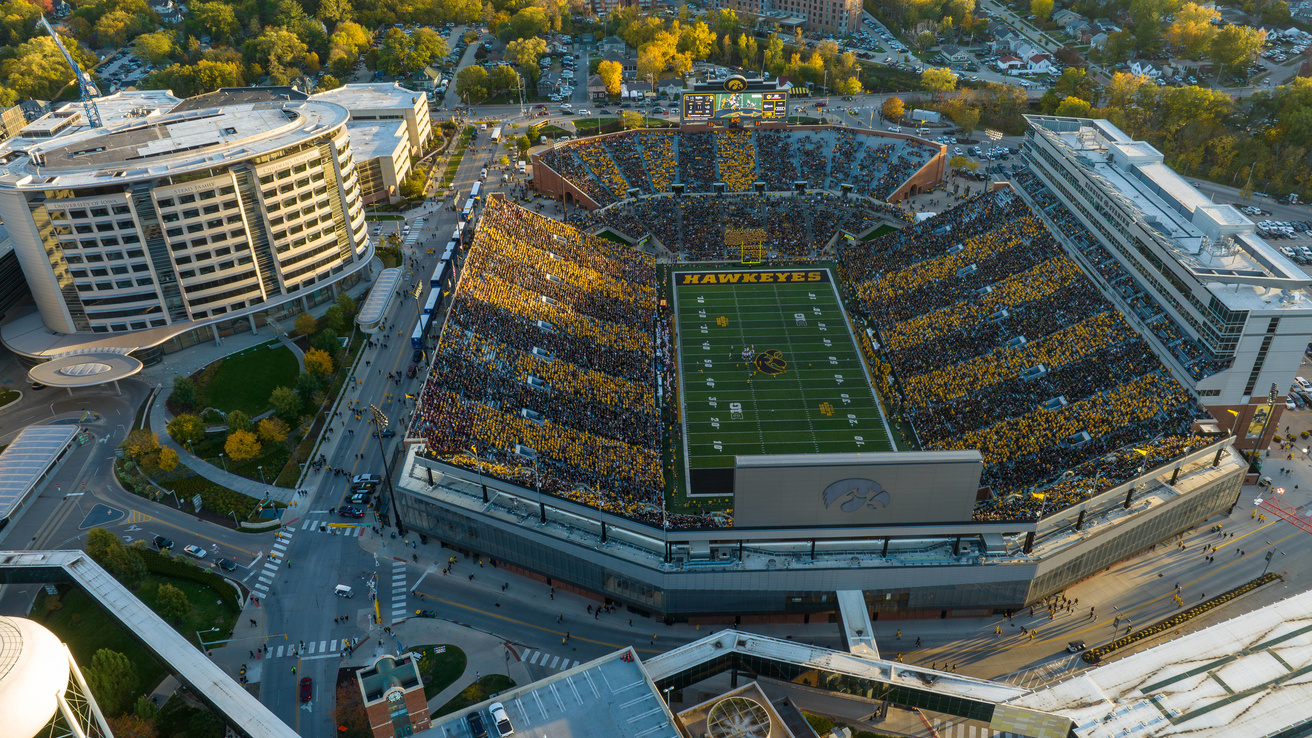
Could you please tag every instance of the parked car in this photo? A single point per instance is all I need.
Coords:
(501, 719)
(410, 371)
(475, 722)
(195, 552)
(417, 356)
(227, 564)
(306, 689)
(360, 498)
(162, 543)
(366, 479)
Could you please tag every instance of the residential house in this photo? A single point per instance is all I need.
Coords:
(1080, 29)
(629, 63)
(596, 88)
(1004, 38)
(167, 10)
(1007, 61)
(429, 78)
(1065, 16)
(954, 54)
(636, 91)
(612, 43)
(1098, 40)
(1039, 64)
(548, 83)
(1145, 68)
(671, 88)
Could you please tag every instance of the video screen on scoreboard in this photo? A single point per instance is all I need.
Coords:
(716, 105)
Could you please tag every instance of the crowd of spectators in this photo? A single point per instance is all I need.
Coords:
(692, 227)
(578, 416)
(996, 341)
(651, 161)
(1189, 351)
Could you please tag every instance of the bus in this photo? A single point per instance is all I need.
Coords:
(417, 337)
(476, 192)
(467, 211)
(496, 134)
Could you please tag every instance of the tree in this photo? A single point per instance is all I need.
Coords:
(938, 79)
(1234, 46)
(1041, 9)
(172, 602)
(348, 711)
(273, 430)
(472, 84)
(318, 363)
(631, 119)
(285, 402)
(242, 445)
(155, 47)
(612, 75)
(893, 109)
(112, 679)
(525, 52)
(168, 459)
(346, 304)
(119, 27)
(1073, 107)
(327, 342)
(186, 427)
(141, 444)
(203, 76)
(305, 324)
(966, 118)
(216, 17)
(696, 40)
(774, 55)
(526, 23)
(331, 11)
(185, 393)
(275, 49)
(1192, 30)
(849, 86)
(37, 69)
(238, 421)
(329, 82)
(308, 387)
(106, 549)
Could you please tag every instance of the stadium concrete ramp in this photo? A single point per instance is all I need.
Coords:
(858, 631)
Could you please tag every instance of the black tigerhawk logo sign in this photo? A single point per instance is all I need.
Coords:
(771, 361)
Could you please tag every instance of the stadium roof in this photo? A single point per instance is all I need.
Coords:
(1242, 677)
(27, 459)
(611, 696)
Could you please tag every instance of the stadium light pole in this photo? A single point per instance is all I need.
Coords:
(379, 421)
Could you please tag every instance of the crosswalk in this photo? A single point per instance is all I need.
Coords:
(270, 569)
(351, 530)
(966, 729)
(547, 660)
(398, 591)
(311, 650)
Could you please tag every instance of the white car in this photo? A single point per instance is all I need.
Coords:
(195, 552)
(584, 111)
(501, 720)
(365, 478)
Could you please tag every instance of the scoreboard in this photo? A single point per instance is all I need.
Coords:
(727, 105)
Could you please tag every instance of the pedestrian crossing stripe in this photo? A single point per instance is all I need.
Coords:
(547, 660)
(137, 517)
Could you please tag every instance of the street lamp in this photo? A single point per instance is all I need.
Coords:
(221, 461)
(262, 479)
(380, 422)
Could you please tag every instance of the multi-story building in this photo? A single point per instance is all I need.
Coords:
(394, 696)
(821, 16)
(164, 227)
(389, 128)
(1224, 309)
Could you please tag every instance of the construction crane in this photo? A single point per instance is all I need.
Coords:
(86, 87)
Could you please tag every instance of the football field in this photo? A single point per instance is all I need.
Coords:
(801, 389)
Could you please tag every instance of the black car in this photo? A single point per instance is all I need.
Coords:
(417, 356)
(364, 486)
(162, 543)
(476, 727)
(348, 511)
(360, 498)
(227, 564)
(387, 432)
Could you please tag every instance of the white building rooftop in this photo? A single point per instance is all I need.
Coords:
(374, 139)
(1243, 677)
(371, 96)
(1213, 240)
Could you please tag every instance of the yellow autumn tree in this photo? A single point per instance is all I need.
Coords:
(242, 445)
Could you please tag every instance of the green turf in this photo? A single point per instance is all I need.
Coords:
(800, 410)
(245, 381)
(440, 670)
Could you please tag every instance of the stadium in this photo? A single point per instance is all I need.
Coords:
(739, 380)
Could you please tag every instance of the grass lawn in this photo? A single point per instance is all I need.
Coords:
(804, 391)
(245, 381)
(177, 719)
(880, 231)
(7, 396)
(440, 670)
(610, 235)
(480, 690)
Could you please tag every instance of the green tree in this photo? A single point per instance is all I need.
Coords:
(774, 55)
(172, 602)
(308, 387)
(106, 549)
(185, 393)
(396, 52)
(328, 342)
(472, 84)
(966, 118)
(186, 428)
(697, 40)
(346, 304)
(37, 69)
(238, 421)
(528, 22)
(525, 52)
(1233, 46)
(332, 11)
(1041, 9)
(275, 49)
(119, 27)
(112, 679)
(217, 18)
(1073, 107)
(429, 47)
(329, 82)
(285, 402)
(155, 47)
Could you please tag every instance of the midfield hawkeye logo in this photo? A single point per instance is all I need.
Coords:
(755, 277)
(855, 494)
(771, 361)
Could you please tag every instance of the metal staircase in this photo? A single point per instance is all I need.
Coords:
(259, 235)
(158, 249)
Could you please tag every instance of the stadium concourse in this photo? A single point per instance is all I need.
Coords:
(989, 338)
(606, 168)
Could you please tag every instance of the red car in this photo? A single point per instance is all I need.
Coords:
(305, 689)
(543, 114)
